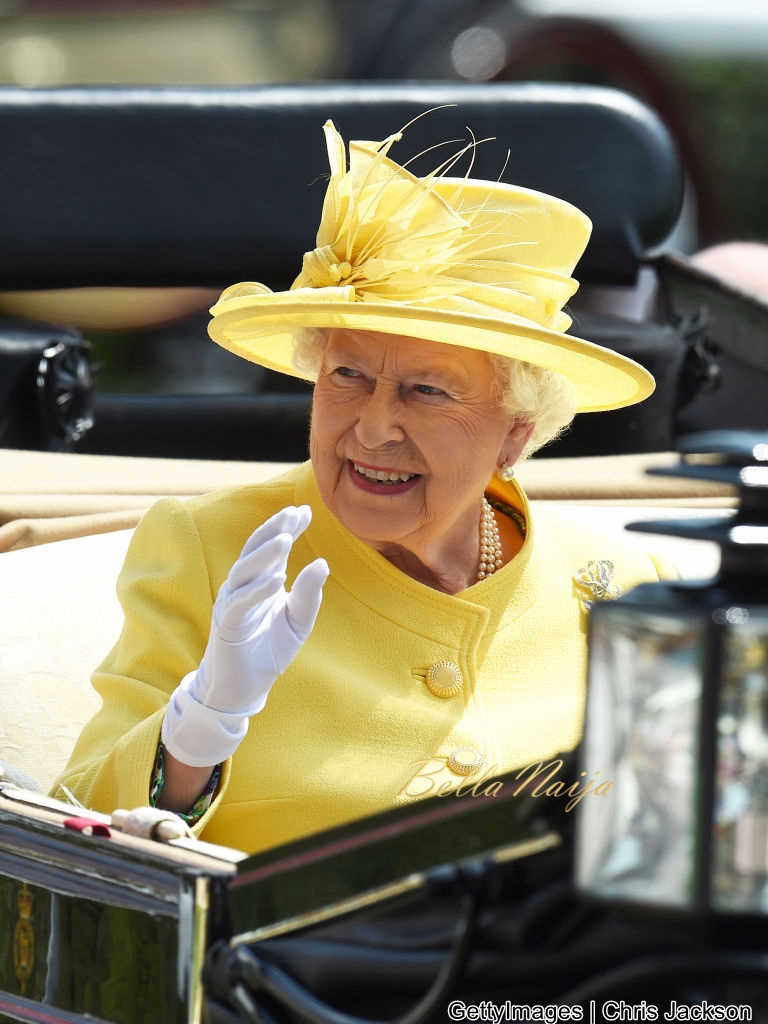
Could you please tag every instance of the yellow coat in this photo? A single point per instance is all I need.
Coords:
(351, 727)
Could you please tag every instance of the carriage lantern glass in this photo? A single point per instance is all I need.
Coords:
(677, 712)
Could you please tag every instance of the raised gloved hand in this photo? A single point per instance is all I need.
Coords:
(257, 629)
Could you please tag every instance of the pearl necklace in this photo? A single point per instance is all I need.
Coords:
(491, 557)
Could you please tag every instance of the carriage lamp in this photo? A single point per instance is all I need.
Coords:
(677, 712)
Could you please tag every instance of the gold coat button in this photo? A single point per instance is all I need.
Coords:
(444, 679)
(465, 761)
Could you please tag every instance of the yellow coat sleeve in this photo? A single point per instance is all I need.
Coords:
(165, 590)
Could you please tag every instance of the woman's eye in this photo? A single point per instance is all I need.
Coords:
(428, 389)
(345, 372)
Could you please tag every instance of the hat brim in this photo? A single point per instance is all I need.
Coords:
(264, 334)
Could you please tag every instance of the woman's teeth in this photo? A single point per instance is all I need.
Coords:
(382, 476)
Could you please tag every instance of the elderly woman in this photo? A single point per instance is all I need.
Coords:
(391, 617)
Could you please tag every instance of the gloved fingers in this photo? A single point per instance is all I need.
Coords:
(252, 599)
(305, 598)
(248, 593)
(292, 520)
(269, 558)
(290, 629)
(238, 615)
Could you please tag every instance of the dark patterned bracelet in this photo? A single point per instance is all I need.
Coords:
(203, 802)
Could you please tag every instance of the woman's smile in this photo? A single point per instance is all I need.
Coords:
(381, 480)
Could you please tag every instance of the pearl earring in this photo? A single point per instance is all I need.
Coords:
(505, 472)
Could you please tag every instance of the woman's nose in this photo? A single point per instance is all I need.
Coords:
(379, 419)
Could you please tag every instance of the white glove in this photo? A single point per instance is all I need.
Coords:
(257, 629)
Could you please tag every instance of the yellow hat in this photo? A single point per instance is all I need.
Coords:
(479, 264)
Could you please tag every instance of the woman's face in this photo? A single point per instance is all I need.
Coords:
(405, 436)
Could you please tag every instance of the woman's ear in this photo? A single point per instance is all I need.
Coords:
(518, 437)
